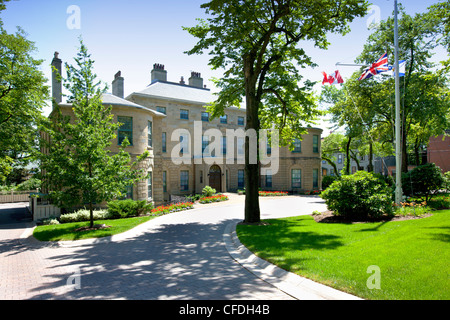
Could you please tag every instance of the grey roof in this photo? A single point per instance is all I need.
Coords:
(177, 92)
(110, 99)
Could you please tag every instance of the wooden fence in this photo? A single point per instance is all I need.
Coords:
(15, 196)
(41, 209)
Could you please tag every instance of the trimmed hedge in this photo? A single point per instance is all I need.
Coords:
(128, 208)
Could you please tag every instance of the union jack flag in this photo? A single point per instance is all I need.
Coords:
(381, 65)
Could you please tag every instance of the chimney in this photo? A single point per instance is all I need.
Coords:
(196, 80)
(182, 81)
(117, 85)
(56, 78)
(158, 73)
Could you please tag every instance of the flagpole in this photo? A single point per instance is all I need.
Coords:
(398, 146)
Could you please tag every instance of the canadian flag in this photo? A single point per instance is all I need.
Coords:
(334, 78)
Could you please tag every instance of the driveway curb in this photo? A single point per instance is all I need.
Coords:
(294, 285)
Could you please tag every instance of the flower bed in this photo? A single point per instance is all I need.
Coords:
(215, 198)
(272, 193)
(172, 208)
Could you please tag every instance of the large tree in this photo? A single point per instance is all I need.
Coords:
(78, 167)
(424, 92)
(256, 42)
(22, 97)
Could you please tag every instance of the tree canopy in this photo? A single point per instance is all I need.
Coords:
(256, 43)
(22, 96)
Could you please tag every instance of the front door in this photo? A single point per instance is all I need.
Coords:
(215, 178)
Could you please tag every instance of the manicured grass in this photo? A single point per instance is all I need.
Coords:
(66, 231)
(412, 255)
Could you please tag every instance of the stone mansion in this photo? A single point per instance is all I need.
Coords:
(152, 119)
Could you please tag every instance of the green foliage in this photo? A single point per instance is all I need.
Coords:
(208, 191)
(327, 181)
(359, 196)
(30, 184)
(194, 197)
(22, 96)
(447, 180)
(425, 180)
(128, 208)
(84, 215)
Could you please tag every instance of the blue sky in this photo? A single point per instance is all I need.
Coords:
(132, 35)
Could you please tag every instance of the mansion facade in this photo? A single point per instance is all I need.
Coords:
(169, 118)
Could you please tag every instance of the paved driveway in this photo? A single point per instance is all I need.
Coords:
(178, 256)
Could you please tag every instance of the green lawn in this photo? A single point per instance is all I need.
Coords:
(66, 231)
(413, 255)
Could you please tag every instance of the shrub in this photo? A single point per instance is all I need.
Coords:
(194, 197)
(447, 180)
(425, 180)
(128, 208)
(84, 215)
(359, 196)
(327, 181)
(30, 184)
(208, 191)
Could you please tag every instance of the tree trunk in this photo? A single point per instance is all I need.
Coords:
(347, 154)
(252, 211)
(404, 149)
(370, 166)
(91, 215)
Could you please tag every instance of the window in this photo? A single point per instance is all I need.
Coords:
(296, 175)
(324, 171)
(224, 146)
(161, 109)
(205, 145)
(149, 130)
(125, 130)
(269, 178)
(315, 178)
(149, 186)
(184, 114)
(164, 178)
(315, 144)
(128, 192)
(332, 172)
(184, 180)
(184, 143)
(240, 146)
(205, 116)
(297, 145)
(163, 142)
(201, 176)
(269, 148)
(224, 119)
(339, 158)
(241, 121)
(241, 183)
